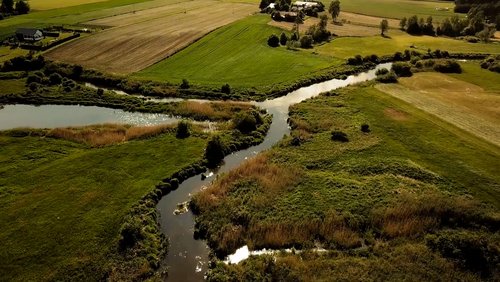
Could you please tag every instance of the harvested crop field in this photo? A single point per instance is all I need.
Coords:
(460, 103)
(140, 39)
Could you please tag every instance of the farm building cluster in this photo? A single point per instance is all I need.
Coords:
(283, 10)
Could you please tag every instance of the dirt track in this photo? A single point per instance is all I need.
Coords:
(138, 40)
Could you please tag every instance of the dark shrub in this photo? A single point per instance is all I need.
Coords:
(184, 84)
(398, 56)
(365, 128)
(402, 69)
(381, 71)
(306, 41)
(174, 183)
(339, 136)
(389, 77)
(225, 89)
(215, 151)
(283, 39)
(356, 60)
(495, 67)
(77, 71)
(100, 91)
(447, 66)
(33, 86)
(33, 78)
(245, 122)
(55, 79)
(183, 129)
(130, 233)
(273, 41)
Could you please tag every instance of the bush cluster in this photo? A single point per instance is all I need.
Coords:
(491, 63)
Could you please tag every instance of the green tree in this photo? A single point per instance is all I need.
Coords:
(22, 7)
(402, 23)
(7, 6)
(283, 39)
(384, 26)
(334, 9)
(183, 129)
(273, 41)
(215, 151)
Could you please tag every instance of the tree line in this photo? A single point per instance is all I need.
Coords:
(9, 7)
(474, 25)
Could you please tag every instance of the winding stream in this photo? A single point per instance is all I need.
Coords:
(187, 258)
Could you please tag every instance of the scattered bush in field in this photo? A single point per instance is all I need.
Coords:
(447, 66)
(398, 56)
(339, 136)
(365, 128)
(306, 41)
(491, 63)
(245, 122)
(55, 79)
(283, 39)
(100, 91)
(183, 129)
(184, 84)
(273, 41)
(225, 89)
(402, 69)
(215, 151)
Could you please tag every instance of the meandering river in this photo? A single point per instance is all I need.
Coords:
(187, 258)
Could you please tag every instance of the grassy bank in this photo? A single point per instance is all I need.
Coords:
(238, 54)
(14, 91)
(65, 202)
(368, 199)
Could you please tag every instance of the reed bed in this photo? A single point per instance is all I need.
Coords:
(107, 134)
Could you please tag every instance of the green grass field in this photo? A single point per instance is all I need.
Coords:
(473, 73)
(55, 4)
(64, 202)
(345, 47)
(238, 54)
(399, 8)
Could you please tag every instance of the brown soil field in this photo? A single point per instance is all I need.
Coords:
(138, 40)
(460, 103)
(352, 25)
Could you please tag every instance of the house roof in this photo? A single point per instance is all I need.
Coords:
(27, 31)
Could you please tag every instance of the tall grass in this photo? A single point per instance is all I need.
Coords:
(271, 177)
(211, 110)
(107, 134)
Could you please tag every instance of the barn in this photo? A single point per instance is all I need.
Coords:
(29, 34)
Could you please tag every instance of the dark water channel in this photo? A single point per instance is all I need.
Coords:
(187, 258)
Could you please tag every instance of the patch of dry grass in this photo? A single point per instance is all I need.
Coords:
(107, 134)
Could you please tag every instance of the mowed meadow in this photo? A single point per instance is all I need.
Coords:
(64, 201)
